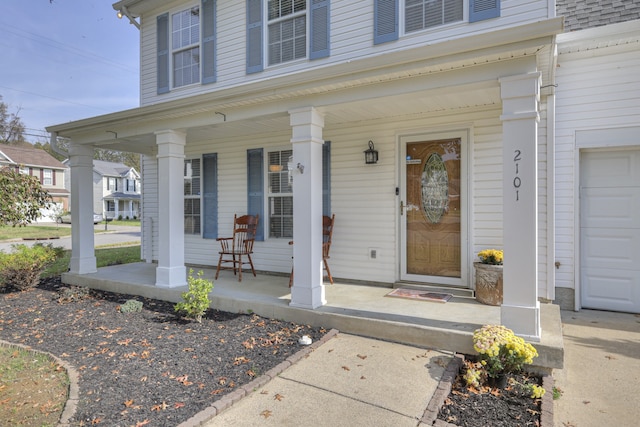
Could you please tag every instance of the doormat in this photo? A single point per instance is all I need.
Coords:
(419, 295)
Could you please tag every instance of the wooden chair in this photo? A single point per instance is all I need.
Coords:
(233, 249)
(327, 233)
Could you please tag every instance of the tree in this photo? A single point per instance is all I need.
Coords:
(11, 127)
(21, 198)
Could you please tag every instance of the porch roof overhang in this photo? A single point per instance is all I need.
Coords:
(432, 78)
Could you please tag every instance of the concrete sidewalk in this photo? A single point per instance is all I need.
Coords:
(600, 382)
(347, 381)
(350, 381)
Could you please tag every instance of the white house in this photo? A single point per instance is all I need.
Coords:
(266, 107)
(116, 190)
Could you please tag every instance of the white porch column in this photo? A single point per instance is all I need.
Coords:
(307, 290)
(171, 271)
(520, 310)
(83, 258)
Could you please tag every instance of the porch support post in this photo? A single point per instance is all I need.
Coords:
(520, 310)
(307, 290)
(171, 271)
(83, 258)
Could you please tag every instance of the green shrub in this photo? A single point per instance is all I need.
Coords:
(131, 306)
(21, 269)
(196, 301)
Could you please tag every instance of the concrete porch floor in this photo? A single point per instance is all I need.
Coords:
(351, 308)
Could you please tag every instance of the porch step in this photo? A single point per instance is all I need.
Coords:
(453, 290)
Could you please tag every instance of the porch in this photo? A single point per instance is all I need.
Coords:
(351, 308)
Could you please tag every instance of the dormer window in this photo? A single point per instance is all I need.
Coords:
(185, 46)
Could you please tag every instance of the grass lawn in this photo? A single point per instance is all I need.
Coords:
(52, 230)
(104, 257)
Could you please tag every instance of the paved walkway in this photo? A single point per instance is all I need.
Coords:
(354, 381)
(601, 380)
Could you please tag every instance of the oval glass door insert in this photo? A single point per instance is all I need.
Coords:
(435, 188)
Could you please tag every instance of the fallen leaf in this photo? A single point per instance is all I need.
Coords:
(266, 413)
(178, 405)
(586, 402)
(128, 403)
(362, 356)
(142, 423)
(610, 357)
(346, 368)
(278, 397)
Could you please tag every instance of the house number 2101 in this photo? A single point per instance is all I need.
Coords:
(516, 180)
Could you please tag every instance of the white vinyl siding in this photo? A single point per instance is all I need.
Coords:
(149, 207)
(592, 94)
(363, 198)
(351, 24)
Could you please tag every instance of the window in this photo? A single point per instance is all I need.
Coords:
(278, 189)
(280, 194)
(112, 184)
(47, 177)
(192, 196)
(287, 30)
(422, 14)
(185, 46)
(131, 185)
(24, 170)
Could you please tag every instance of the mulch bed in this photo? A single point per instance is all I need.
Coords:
(149, 367)
(511, 406)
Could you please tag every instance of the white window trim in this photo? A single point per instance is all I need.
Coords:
(404, 33)
(194, 197)
(268, 194)
(265, 35)
(173, 51)
(46, 178)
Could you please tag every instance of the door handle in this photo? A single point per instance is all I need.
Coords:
(401, 208)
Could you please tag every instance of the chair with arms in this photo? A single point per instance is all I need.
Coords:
(233, 249)
(327, 234)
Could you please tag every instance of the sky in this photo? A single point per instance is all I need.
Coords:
(66, 60)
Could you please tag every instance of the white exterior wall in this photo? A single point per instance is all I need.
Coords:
(362, 196)
(99, 188)
(597, 89)
(149, 208)
(351, 39)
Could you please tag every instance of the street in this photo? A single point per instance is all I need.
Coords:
(115, 234)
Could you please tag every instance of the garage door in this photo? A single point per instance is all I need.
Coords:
(610, 230)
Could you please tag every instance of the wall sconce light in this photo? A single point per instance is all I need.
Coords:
(119, 14)
(371, 155)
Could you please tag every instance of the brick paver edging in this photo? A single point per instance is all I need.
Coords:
(232, 398)
(430, 417)
(71, 404)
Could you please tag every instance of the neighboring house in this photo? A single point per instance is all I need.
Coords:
(49, 171)
(265, 107)
(116, 190)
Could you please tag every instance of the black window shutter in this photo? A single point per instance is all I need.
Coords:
(255, 188)
(208, 19)
(210, 195)
(386, 21)
(163, 53)
(254, 36)
(326, 178)
(479, 10)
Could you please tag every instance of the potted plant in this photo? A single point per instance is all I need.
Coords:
(488, 273)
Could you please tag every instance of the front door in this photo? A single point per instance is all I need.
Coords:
(432, 212)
